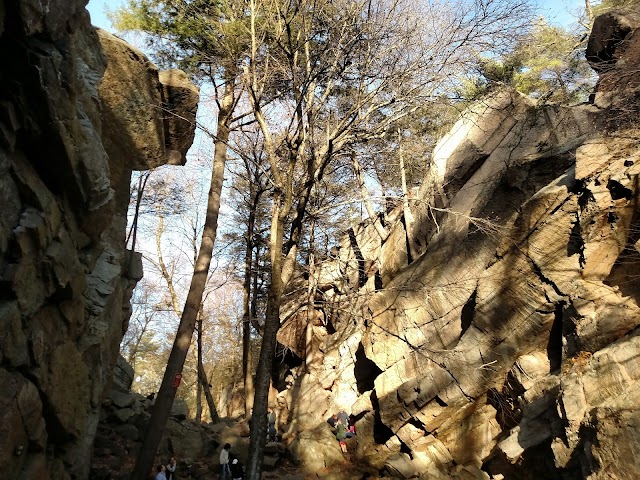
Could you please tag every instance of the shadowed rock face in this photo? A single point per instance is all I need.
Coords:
(68, 145)
(510, 343)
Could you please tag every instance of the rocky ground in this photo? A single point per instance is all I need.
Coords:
(196, 446)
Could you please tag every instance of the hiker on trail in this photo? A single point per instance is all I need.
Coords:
(160, 475)
(271, 429)
(341, 435)
(237, 473)
(225, 471)
(171, 469)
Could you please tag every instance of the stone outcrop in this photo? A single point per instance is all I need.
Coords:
(507, 346)
(79, 110)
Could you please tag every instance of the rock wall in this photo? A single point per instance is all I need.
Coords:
(79, 110)
(508, 346)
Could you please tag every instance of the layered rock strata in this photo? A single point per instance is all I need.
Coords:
(505, 343)
(79, 110)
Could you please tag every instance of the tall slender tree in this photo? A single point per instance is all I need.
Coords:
(201, 37)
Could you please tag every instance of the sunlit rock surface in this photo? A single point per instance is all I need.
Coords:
(508, 347)
(77, 115)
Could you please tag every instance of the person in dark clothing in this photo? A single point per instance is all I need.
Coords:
(346, 421)
(170, 469)
(333, 420)
(271, 429)
(237, 472)
(344, 416)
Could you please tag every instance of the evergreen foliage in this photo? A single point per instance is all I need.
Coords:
(547, 64)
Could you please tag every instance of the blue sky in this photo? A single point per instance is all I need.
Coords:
(557, 11)
(560, 12)
(97, 9)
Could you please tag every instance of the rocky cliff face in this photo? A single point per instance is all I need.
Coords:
(79, 110)
(504, 343)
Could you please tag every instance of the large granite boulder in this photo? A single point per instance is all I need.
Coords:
(506, 347)
(613, 49)
(79, 110)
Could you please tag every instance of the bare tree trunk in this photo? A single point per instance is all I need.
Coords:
(133, 352)
(255, 276)
(133, 233)
(204, 380)
(247, 367)
(589, 11)
(311, 295)
(168, 277)
(267, 352)
(200, 380)
(408, 216)
(168, 388)
(142, 183)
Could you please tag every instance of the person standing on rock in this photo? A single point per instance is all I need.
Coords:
(225, 471)
(171, 469)
(344, 416)
(161, 475)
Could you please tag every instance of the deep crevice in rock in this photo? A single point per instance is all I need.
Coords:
(365, 371)
(576, 243)
(554, 346)
(407, 246)
(508, 415)
(381, 433)
(466, 316)
(405, 449)
(618, 191)
(286, 361)
(418, 424)
(331, 329)
(571, 341)
(439, 401)
(536, 463)
(377, 281)
(543, 278)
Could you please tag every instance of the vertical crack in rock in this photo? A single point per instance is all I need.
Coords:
(381, 432)
(576, 242)
(407, 242)
(554, 346)
(466, 316)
